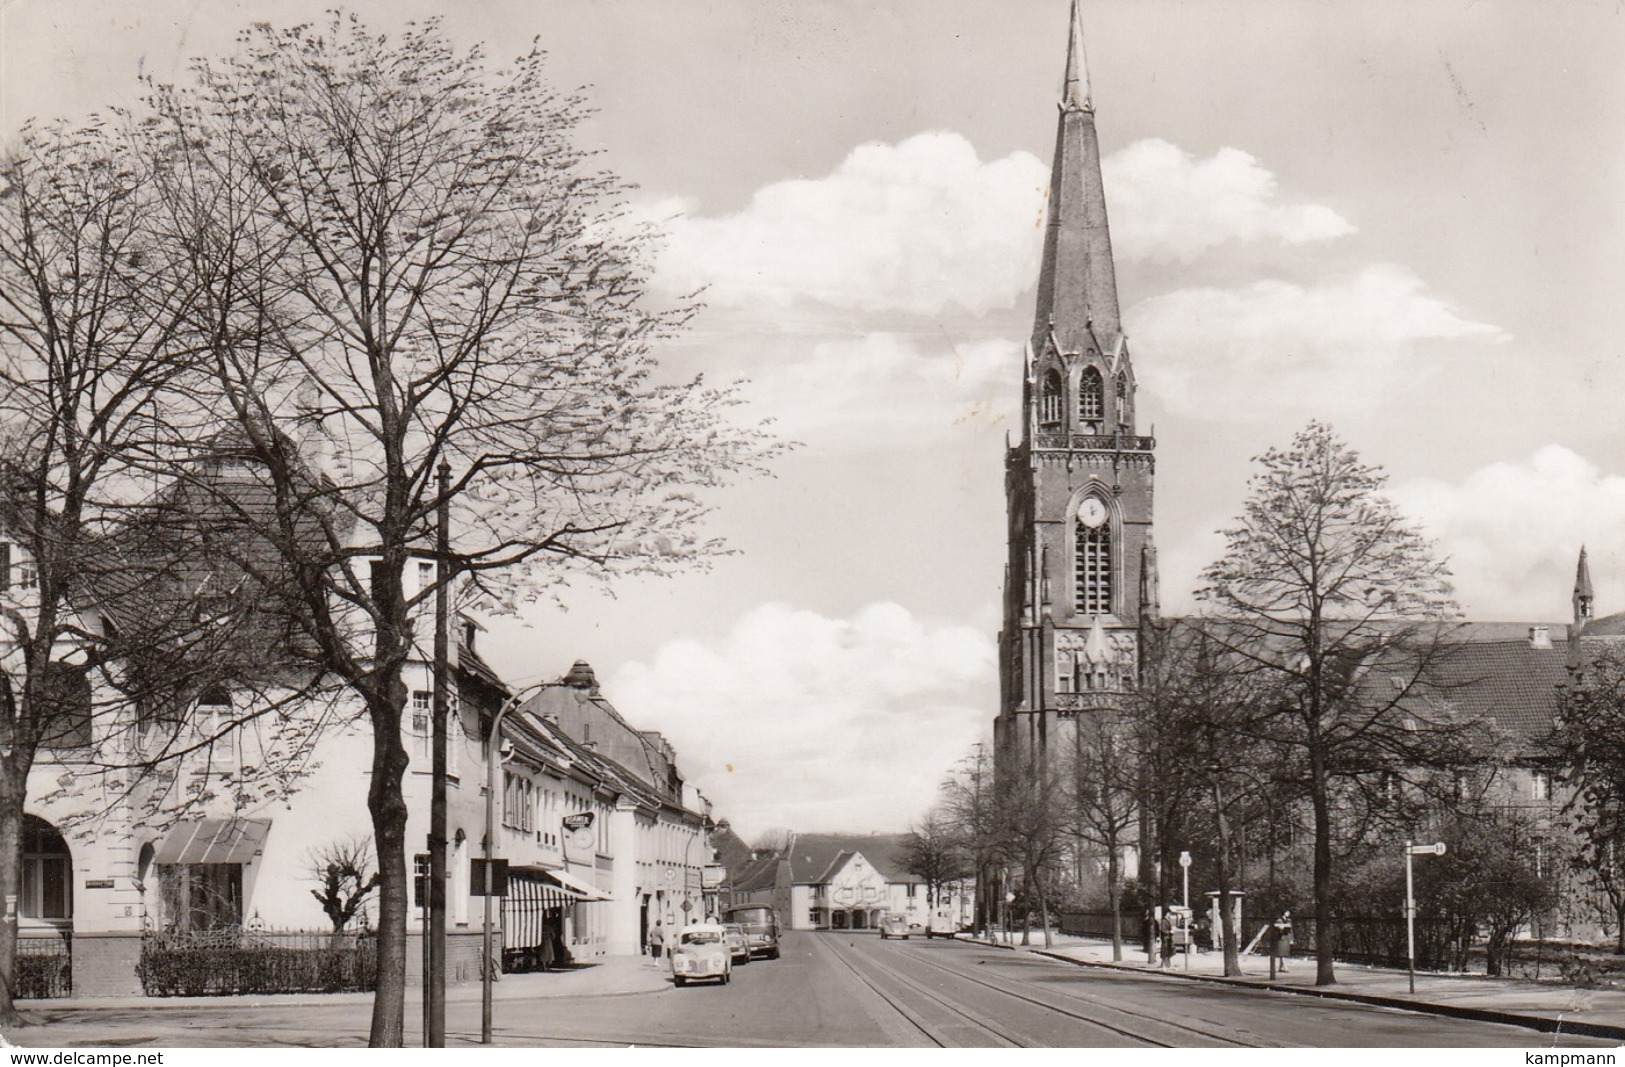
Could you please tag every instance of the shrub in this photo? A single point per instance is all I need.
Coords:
(173, 965)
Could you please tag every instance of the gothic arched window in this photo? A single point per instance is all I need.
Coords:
(1093, 561)
(1052, 402)
(1091, 396)
(1122, 401)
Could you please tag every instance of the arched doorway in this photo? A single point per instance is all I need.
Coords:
(837, 919)
(860, 919)
(46, 891)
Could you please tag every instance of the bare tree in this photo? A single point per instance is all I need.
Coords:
(1030, 813)
(1103, 787)
(92, 403)
(341, 869)
(1321, 577)
(1590, 738)
(969, 804)
(407, 266)
(932, 850)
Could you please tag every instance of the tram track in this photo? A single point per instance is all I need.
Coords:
(1147, 1029)
(1067, 1010)
(929, 1031)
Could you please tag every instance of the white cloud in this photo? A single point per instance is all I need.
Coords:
(916, 227)
(925, 225)
(881, 385)
(1513, 531)
(1273, 346)
(1167, 205)
(797, 720)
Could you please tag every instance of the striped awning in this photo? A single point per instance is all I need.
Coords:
(524, 910)
(580, 888)
(214, 841)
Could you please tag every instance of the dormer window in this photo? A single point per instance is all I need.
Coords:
(1091, 397)
(1052, 402)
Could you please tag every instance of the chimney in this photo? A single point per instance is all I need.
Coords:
(1540, 637)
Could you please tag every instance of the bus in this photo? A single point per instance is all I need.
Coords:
(761, 926)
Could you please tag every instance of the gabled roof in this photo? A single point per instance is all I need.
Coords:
(757, 875)
(814, 858)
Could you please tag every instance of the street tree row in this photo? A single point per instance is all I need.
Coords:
(1306, 719)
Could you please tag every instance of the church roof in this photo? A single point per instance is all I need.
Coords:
(1509, 684)
(1607, 626)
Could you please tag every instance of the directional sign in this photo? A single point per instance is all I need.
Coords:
(1435, 849)
(1184, 859)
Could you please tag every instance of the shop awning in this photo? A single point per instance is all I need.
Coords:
(580, 889)
(214, 841)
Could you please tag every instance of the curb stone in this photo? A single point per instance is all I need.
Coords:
(1541, 1023)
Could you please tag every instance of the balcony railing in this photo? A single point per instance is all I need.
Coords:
(1095, 442)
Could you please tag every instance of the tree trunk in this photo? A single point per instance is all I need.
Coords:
(388, 807)
(1324, 972)
(1227, 924)
(11, 826)
(1043, 914)
(1114, 896)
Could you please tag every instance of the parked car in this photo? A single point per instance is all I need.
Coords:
(761, 926)
(701, 953)
(893, 926)
(738, 947)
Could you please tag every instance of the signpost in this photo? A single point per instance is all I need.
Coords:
(1435, 849)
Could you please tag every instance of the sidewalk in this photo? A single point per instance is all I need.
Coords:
(1540, 1006)
(611, 976)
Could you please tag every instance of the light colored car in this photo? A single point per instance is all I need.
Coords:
(893, 926)
(701, 954)
(738, 944)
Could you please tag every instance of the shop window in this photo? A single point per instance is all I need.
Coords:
(201, 896)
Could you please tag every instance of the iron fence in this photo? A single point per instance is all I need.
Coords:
(44, 967)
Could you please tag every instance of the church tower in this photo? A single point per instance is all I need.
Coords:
(1081, 579)
(1583, 596)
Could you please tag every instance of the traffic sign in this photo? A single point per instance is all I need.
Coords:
(1435, 849)
(1184, 859)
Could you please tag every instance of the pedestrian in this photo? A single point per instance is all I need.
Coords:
(657, 938)
(1281, 940)
(1168, 937)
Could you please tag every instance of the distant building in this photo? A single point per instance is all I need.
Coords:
(843, 882)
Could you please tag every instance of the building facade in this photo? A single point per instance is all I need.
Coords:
(598, 826)
(1078, 484)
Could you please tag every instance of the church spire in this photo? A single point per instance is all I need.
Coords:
(1582, 592)
(1075, 92)
(1077, 285)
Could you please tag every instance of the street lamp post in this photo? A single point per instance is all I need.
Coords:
(493, 763)
(1435, 849)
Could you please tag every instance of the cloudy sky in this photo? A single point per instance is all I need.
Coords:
(1403, 218)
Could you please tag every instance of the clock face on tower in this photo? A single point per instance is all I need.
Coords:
(1092, 512)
